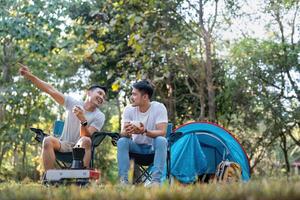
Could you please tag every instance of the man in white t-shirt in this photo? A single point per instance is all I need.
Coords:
(82, 120)
(143, 131)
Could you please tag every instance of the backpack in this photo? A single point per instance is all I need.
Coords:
(228, 172)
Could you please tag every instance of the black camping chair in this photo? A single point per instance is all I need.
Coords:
(64, 159)
(144, 162)
(142, 165)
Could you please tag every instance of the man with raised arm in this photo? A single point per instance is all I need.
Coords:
(83, 118)
(144, 124)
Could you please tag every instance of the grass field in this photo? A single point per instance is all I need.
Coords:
(256, 189)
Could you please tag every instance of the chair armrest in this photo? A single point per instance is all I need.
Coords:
(174, 137)
(40, 135)
(97, 137)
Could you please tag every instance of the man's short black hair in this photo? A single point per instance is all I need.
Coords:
(145, 87)
(98, 86)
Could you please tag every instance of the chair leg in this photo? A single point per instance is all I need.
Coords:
(148, 176)
(136, 174)
(144, 174)
(168, 165)
(92, 159)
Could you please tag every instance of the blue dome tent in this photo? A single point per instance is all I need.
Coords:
(201, 148)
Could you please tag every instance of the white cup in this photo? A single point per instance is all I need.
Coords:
(136, 123)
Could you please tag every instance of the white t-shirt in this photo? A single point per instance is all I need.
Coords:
(157, 113)
(71, 131)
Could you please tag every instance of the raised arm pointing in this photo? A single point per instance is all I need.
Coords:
(42, 85)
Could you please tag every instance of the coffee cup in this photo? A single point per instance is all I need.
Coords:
(136, 123)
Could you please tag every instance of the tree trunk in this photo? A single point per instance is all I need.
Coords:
(284, 149)
(16, 156)
(2, 154)
(207, 37)
(119, 114)
(209, 78)
(202, 93)
(171, 100)
(7, 57)
(1, 113)
(24, 163)
(4, 149)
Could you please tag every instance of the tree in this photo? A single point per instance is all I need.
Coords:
(31, 33)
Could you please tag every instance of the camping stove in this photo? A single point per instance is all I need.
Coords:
(69, 176)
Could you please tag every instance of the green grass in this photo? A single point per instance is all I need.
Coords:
(257, 189)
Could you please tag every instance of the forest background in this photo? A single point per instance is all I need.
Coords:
(232, 62)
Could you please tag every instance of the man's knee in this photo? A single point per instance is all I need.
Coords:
(48, 143)
(86, 142)
(122, 142)
(160, 142)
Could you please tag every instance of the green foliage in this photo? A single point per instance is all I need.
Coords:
(30, 33)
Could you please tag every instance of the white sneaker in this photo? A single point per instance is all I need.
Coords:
(152, 184)
(123, 181)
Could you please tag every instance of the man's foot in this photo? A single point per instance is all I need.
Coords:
(123, 181)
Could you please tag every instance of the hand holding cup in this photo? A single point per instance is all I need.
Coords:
(138, 127)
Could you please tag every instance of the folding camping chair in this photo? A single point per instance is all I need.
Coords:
(64, 159)
(144, 162)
